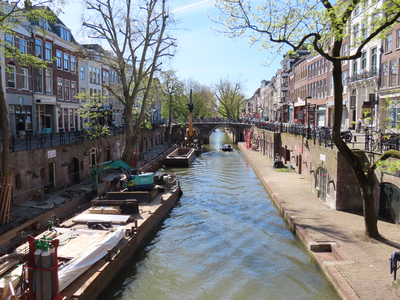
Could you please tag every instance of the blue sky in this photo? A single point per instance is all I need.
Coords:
(203, 55)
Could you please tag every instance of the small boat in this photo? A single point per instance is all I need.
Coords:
(226, 147)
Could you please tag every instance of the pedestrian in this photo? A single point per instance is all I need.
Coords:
(277, 160)
(359, 123)
(21, 129)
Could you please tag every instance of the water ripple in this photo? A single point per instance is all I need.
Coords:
(224, 240)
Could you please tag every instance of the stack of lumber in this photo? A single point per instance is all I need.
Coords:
(109, 210)
(13, 277)
(5, 198)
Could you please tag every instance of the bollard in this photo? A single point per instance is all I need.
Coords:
(355, 139)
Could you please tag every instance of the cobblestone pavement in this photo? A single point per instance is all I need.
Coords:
(357, 266)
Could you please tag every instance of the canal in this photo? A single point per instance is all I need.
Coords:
(223, 240)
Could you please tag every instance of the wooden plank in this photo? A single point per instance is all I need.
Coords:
(115, 219)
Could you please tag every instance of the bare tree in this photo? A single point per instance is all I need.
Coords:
(136, 33)
(321, 26)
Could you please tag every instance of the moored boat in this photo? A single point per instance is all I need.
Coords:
(180, 158)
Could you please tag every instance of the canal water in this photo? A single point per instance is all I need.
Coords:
(223, 240)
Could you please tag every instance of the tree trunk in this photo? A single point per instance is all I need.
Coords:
(366, 183)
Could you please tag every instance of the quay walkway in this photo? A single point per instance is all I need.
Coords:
(357, 266)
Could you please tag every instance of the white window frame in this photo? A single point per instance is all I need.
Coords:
(49, 81)
(66, 62)
(22, 46)
(24, 79)
(59, 59)
(60, 97)
(9, 39)
(12, 70)
(47, 51)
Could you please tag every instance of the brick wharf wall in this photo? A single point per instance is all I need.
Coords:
(307, 159)
(32, 168)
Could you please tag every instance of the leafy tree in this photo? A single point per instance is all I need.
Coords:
(230, 99)
(173, 89)
(202, 97)
(136, 33)
(321, 26)
(93, 113)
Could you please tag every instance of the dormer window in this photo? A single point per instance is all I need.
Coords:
(65, 34)
(43, 23)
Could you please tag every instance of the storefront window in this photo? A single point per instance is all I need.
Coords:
(394, 115)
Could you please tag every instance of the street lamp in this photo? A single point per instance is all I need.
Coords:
(281, 115)
(308, 118)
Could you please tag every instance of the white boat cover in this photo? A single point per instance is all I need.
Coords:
(87, 258)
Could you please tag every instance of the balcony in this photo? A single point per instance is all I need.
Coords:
(363, 75)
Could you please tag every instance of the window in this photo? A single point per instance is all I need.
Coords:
(374, 58)
(49, 81)
(43, 22)
(66, 62)
(330, 85)
(398, 39)
(48, 51)
(9, 39)
(90, 75)
(326, 88)
(389, 43)
(83, 90)
(393, 73)
(59, 88)
(384, 74)
(82, 73)
(72, 64)
(24, 79)
(22, 46)
(59, 59)
(344, 78)
(355, 66)
(98, 76)
(38, 48)
(73, 91)
(357, 10)
(365, 29)
(364, 61)
(66, 90)
(345, 50)
(39, 80)
(356, 30)
(65, 34)
(11, 77)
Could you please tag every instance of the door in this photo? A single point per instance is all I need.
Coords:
(300, 164)
(322, 184)
(75, 170)
(52, 173)
(389, 202)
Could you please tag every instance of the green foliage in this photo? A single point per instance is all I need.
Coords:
(94, 115)
(230, 99)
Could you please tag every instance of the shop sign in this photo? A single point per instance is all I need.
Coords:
(51, 153)
(352, 102)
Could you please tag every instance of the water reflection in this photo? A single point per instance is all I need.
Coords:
(224, 240)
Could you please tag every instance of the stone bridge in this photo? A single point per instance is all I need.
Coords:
(205, 128)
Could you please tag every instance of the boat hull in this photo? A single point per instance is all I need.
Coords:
(180, 158)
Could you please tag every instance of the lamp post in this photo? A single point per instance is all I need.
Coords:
(308, 117)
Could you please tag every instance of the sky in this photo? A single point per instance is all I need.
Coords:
(202, 55)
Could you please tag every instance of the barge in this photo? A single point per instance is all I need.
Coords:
(180, 158)
(90, 248)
